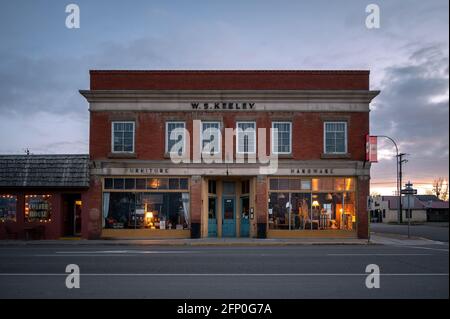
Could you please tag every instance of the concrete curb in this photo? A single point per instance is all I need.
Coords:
(134, 242)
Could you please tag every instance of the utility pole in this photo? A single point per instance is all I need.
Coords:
(400, 161)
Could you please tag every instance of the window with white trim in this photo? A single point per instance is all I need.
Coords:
(211, 137)
(335, 137)
(123, 137)
(246, 138)
(175, 137)
(281, 137)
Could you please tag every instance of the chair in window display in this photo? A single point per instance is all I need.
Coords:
(325, 217)
(314, 222)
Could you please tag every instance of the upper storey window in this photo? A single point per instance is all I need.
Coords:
(246, 138)
(211, 137)
(281, 137)
(335, 137)
(123, 137)
(175, 137)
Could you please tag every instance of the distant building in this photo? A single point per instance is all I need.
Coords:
(384, 209)
(437, 210)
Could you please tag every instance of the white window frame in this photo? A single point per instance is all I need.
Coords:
(325, 136)
(237, 137)
(166, 133)
(220, 136)
(273, 137)
(112, 136)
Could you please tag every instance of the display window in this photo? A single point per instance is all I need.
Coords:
(38, 208)
(329, 204)
(8, 208)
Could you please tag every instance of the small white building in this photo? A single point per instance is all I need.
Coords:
(384, 209)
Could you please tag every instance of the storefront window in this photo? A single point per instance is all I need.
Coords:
(279, 210)
(38, 208)
(8, 208)
(326, 210)
(146, 183)
(301, 210)
(349, 221)
(328, 205)
(136, 210)
(286, 184)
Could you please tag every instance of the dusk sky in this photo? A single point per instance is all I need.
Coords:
(43, 64)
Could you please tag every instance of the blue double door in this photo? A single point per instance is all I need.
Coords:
(228, 203)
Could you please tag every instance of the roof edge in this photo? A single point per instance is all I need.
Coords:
(230, 71)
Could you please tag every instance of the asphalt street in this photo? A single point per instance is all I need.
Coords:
(433, 231)
(287, 272)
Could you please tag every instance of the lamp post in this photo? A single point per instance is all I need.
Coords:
(399, 173)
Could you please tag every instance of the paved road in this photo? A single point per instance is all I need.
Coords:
(433, 231)
(287, 272)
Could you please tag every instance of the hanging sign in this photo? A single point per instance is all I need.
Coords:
(371, 149)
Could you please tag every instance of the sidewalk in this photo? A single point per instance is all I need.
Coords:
(192, 242)
(402, 240)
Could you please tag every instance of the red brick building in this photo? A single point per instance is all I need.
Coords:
(185, 154)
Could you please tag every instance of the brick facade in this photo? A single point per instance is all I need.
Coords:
(229, 80)
(307, 141)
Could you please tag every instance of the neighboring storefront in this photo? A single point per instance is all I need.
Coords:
(313, 122)
(41, 196)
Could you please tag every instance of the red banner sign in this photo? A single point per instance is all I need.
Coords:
(371, 149)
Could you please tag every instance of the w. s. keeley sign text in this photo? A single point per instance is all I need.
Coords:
(223, 106)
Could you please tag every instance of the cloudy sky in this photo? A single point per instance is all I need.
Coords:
(43, 64)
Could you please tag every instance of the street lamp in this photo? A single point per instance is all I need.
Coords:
(400, 161)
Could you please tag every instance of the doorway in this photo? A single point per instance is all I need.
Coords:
(72, 214)
(212, 217)
(245, 217)
(228, 217)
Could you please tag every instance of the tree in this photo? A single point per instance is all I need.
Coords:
(440, 188)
